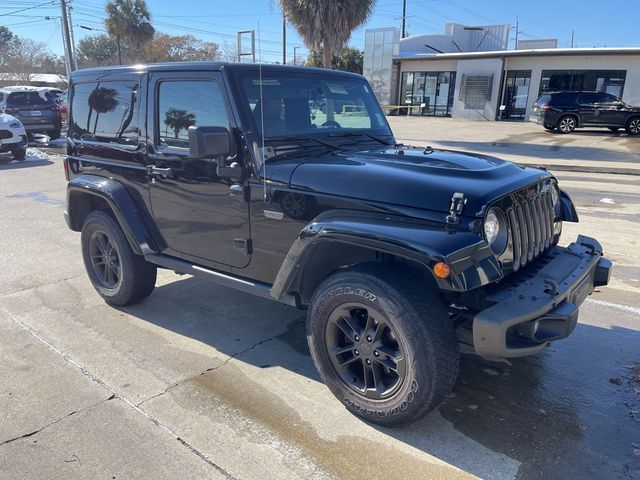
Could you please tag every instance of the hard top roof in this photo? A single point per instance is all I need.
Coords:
(140, 69)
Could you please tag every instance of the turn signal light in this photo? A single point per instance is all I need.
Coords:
(441, 270)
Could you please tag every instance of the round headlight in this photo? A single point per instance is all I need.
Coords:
(491, 226)
(495, 231)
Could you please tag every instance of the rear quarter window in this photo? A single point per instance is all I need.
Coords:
(105, 112)
(544, 99)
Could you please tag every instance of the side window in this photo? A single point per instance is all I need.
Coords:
(588, 98)
(607, 98)
(105, 112)
(182, 104)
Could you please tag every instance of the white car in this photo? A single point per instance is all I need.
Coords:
(13, 136)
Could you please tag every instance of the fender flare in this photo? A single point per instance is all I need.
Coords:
(569, 213)
(472, 262)
(116, 195)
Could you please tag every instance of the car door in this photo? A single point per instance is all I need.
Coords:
(589, 114)
(202, 217)
(612, 110)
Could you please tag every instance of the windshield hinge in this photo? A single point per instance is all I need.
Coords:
(458, 201)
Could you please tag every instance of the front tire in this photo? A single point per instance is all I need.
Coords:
(633, 126)
(383, 344)
(119, 275)
(567, 124)
(19, 154)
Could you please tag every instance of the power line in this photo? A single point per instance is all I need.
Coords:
(52, 2)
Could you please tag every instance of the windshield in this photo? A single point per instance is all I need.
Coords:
(289, 103)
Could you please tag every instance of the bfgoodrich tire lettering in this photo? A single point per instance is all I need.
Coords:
(417, 323)
(119, 275)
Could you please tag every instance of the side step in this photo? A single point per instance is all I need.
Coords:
(248, 286)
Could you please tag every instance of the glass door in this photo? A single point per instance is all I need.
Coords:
(516, 94)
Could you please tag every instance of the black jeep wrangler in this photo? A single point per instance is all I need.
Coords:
(403, 257)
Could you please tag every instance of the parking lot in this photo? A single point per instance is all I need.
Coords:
(200, 381)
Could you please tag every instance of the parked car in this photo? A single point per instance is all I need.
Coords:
(35, 109)
(401, 256)
(13, 137)
(566, 111)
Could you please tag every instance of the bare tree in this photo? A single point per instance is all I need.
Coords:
(26, 58)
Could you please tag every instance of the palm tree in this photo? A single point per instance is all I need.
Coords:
(129, 20)
(327, 23)
(179, 120)
(102, 100)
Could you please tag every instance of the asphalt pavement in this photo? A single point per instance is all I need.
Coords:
(200, 381)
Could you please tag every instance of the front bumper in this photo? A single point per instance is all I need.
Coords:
(528, 315)
(16, 141)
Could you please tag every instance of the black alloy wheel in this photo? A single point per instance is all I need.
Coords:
(105, 259)
(365, 351)
(382, 342)
(119, 275)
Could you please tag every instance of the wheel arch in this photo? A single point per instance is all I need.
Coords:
(87, 193)
(341, 240)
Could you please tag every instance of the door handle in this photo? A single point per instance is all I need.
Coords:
(159, 172)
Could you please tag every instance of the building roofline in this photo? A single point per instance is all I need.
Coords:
(541, 52)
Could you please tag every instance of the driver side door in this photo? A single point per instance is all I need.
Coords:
(202, 217)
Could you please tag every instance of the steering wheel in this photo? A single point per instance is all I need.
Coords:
(331, 124)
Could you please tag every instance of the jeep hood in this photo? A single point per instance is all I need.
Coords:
(413, 177)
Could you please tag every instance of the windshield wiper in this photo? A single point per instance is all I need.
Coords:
(294, 138)
(361, 134)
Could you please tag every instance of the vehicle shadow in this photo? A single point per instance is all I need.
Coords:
(556, 414)
(8, 163)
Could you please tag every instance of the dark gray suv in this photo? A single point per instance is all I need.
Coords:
(566, 111)
(35, 110)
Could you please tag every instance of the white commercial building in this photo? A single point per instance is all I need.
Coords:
(469, 73)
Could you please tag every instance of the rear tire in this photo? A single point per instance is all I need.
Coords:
(119, 275)
(567, 124)
(633, 126)
(54, 134)
(19, 153)
(383, 344)
(549, 128)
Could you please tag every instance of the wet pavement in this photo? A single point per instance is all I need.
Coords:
(222, 383)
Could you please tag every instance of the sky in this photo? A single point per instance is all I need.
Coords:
(219, 20)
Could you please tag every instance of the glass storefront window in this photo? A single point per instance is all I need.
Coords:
(430, 92)
(609, 81)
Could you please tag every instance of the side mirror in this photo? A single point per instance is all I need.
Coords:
(207, 142)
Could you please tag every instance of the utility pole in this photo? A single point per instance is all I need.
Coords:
(572, 33)
(517, 31)
(66, 39)
(404, 19)
(284, 39)
(294, 55)
(74, 57)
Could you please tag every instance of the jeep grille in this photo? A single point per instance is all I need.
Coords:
(531, 220)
